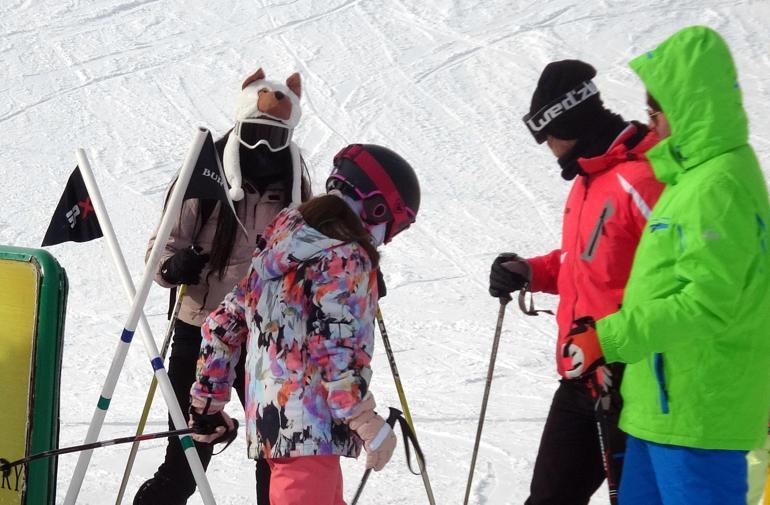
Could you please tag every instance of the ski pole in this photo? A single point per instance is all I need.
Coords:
(150, 395)
(404, 405)
(5, 465)
(504, 299)
(600, 411)
(392, 417)
(611, 486)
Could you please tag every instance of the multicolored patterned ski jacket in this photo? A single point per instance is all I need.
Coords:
(306, 310)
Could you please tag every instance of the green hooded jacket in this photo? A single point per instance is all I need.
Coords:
(694, 326)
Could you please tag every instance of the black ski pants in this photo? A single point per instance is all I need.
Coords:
(569, 466)
(174, 476)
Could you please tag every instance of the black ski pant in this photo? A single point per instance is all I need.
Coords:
(569, 466)
(174, 476)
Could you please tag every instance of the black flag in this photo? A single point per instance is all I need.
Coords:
(208, 180)
(74, 218)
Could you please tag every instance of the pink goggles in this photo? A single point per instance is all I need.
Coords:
(383, 204)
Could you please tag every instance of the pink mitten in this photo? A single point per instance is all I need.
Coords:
(379, 439)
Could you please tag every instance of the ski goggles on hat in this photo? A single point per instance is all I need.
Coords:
(538, 122)
(263, 131)
(381, 200)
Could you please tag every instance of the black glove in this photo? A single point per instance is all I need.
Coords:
(382, 290)
(205, 423)
(504, 280)
(184, 267)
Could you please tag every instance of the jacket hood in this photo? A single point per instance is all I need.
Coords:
(290, 241)
(692, 76)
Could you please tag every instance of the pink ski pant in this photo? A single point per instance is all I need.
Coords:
(306, 479)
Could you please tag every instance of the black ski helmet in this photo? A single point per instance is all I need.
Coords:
(384, 181)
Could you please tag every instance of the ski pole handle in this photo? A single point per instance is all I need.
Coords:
(393, 416)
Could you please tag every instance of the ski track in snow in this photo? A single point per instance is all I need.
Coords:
(444, 83)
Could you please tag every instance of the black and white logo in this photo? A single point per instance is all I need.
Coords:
(538, 121)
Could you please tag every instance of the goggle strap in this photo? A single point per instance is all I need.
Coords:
(379, 177)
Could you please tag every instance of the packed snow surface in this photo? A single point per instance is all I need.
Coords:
(443, 83)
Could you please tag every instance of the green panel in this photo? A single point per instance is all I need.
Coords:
(43, 430)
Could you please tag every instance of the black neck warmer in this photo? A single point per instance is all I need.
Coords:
(262, 167)
(606, 129)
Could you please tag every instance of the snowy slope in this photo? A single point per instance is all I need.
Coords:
(444, 83)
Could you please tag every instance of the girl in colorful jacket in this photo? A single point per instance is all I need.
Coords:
(305, 311)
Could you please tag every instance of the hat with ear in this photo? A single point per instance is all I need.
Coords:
(274, 105)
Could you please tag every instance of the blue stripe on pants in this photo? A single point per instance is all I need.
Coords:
(657, 474)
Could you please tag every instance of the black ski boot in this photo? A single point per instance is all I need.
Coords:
(159, 490)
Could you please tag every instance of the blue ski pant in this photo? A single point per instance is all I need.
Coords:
(657, 474)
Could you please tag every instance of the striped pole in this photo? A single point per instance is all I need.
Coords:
(402, 397)
(164, 231)
(119, 260)
(150, 395)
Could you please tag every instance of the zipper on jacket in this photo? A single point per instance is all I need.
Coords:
(577, 243)
(657, 361)
(607, 211)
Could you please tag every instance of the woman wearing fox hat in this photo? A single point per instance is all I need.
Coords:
(209, 252)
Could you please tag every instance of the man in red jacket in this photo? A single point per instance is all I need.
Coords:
(606, 211)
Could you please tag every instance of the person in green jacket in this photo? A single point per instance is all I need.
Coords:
(694, 325)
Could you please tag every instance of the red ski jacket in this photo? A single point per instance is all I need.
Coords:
(605, 214)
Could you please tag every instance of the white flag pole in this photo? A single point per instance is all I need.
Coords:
(109, 234)
(118, 257)
(173, 207)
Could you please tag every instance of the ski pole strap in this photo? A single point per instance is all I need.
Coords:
(206, 424)
(409, 439)
(530, 311)
(227, 438)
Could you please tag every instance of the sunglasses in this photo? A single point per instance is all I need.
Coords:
(653, 114)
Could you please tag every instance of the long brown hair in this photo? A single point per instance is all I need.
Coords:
(331, 216)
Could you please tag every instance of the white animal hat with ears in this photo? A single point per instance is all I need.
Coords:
(247, 110)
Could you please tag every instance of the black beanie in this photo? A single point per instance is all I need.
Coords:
(566, 103)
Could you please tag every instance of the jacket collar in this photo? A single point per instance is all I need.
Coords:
(627, 146)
